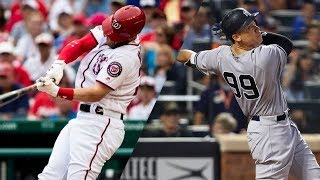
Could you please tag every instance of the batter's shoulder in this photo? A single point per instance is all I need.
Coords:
(216, 51)
(268, 56)
(222, 48)
(269, 49)
(129, 56)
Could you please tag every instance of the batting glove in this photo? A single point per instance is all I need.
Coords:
(45, 84)
(56, 71)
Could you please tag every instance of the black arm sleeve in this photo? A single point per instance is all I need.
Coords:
(282, 41)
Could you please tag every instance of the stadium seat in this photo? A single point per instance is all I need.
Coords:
(285, 16)
(311, 90)
(285, 30)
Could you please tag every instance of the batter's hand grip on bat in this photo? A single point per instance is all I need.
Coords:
(48, 86)
(42, 81)
(56, 71)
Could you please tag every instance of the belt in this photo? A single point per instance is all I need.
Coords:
(279, 118)
(101, 111)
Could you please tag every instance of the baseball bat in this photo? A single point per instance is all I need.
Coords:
(17, 93)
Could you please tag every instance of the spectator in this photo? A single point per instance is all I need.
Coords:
(301, 69)
(21, 8)
(26, 48)
(188, 12)
(164, 36)
(158, 19)
(170, 125)
(313, 38)
(79, 29)
(224, 123)
(96, 19)
(200, 31)
(63, 29)
(146, 94)
(302, 21)
(59, 16)
(19, 107)
(149, 8)
(44, 57)
(91, 7)
(164, 62)
(4, 35)
(218, 98)
(116, 4)
(7, 56)
(19, 29)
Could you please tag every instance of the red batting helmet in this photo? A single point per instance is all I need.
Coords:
(124, 24)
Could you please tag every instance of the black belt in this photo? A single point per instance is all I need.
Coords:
(98, 110)
(279, 118)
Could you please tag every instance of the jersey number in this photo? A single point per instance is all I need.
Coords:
(249, 86)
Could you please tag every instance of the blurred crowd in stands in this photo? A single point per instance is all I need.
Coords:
(33, 32)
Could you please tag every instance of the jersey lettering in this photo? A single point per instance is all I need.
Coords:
(232, 83)
(249, 87)
(97, 66)
(247, 83)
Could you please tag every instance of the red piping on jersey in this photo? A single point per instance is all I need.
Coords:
(77, 47)
(84, 77)
(106, 85)
(97, 146)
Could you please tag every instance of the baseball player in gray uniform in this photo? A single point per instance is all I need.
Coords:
(106, 82)
(252, 67)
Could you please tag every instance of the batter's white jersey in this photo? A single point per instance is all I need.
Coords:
(254, 76)
(117, 68)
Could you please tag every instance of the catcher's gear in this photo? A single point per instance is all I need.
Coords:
(124, 24)
(236, 20)
(56, 71)
(45, 84)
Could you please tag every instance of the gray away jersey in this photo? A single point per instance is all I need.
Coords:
(253, 76)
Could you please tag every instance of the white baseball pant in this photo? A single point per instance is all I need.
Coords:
(279, 150)
(83, 146)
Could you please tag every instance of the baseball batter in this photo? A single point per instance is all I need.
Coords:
(106, 82)
(252, 67)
